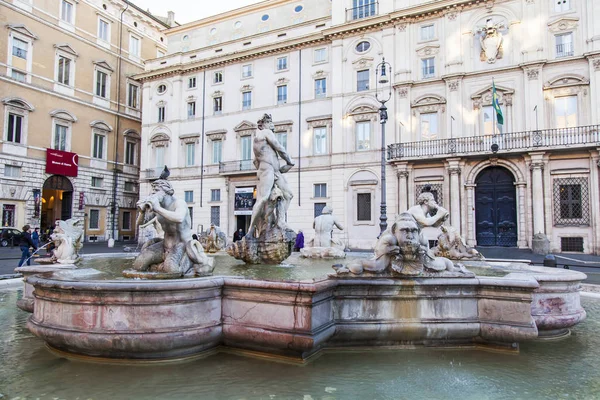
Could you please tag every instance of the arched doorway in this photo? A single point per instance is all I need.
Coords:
(57, 200)
(496, 208)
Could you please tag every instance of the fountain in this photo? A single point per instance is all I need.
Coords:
(323, 245)
(406, 295)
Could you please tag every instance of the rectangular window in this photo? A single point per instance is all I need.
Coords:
(247, 71)
(12, 171)
(66, 12)
(130, 153)
(132, 95)
(320, 88)
(562, 5)
(189, 196)
(246, 142)
(159, 157)
(190, 154)
(429, 126)
(320, 190)
(282, 139)
(489, 120)
(191, 83)
(97, 182)
(215, 215)
(363, 8)
(8, 214)
(218, 105)
(363, 136)
(161, 114)
(126, 220)
(318, 209)
(565, 110)
(320, 140)
(215, 195)
(427, 32)
(101, 79)
(570, 202)
(15, 128)
(320, 55)
(60, 137)
(246, 100)
(281, 94)
(130, 187)
(564, 45)
(428, 66)
(362, 80)
(103, 30)
(20, 48)
(20, 76)
(98, 146)
(217, 151)
(363, 207)
(282, 63)
(134, 46)
(191, 110)
(218, 77)
(64, 69)
(94, 219)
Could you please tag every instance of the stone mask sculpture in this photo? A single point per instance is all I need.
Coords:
(269, 240)
(67, 238)
(399, 252)
(177, 253)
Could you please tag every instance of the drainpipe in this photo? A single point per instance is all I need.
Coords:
(299, 120)
(117, 126)
(202, 136)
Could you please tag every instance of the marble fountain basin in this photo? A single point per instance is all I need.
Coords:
(81, 312)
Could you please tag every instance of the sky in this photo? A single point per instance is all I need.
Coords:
(188, 11)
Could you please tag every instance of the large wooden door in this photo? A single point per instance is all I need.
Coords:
(496, 208)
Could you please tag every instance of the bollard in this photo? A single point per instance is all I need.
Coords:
(550, 261)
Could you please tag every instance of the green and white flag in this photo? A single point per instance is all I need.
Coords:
(496, 105)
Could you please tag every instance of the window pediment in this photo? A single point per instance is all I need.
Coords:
(282, 81)
(245, 126)
(18, 103)
(566, 80)
(132, 134)
(428, 50)
(63, 114)
(320, 74)
(66, 48)
(246, 88)
(217, 93)
(219, 134)
(23, 30)
(283, 126)
(363, 62)
(97, 124)
(364, 113)
(484, 97)
(189, 138)
(103, 64)
(564, 24)
(319, 121)
(160, 138)
(429, 103)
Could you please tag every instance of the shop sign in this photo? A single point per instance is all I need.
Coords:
(244, 200)
(61, 162)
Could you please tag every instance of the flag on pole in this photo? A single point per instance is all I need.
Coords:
(496, 105)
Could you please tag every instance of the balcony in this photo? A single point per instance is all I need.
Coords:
(516, 142)
(238, 167)
(564, 50)
(369, 9)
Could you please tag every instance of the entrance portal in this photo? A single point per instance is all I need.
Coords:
(496, 208)
(57, 200)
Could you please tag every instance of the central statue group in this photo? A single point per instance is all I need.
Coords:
(269, 239)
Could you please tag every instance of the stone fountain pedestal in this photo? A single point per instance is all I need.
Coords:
(27, 301)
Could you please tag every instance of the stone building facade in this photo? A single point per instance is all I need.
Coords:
(312, 65)
(70, 112)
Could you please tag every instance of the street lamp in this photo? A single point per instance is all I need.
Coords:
(383, 72)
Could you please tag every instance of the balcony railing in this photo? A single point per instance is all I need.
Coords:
(564, 50)
(232, 167)
(362, 11)
(580, 136)
(429, 72)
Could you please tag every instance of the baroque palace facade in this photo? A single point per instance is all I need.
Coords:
(311, 63)
(70, 112)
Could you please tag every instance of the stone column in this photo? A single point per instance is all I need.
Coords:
(471, 239)
(402, 173)
(521, 215)
(454, 172)
(537, 189)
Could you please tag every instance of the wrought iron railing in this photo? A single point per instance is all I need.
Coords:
(236, 166)
(368, 9)
(564, 50)
(507, 142)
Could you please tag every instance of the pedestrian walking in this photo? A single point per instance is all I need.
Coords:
(25, 243)
(35, 237)
(238, 235)
(299, 241)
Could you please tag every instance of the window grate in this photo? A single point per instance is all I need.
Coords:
(436, 190)
(571, 201)
(319, 209)
(363, 207)
(215, 215)
(571, 244)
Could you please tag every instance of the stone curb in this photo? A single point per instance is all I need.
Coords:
(11, 283)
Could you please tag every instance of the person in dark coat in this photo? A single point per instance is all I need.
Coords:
(35, 236)
(25, 243)
(299, 241)
(238, 235)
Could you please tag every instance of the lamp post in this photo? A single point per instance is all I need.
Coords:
(383, 71)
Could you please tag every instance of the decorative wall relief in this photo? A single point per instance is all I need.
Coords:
(491, 39)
